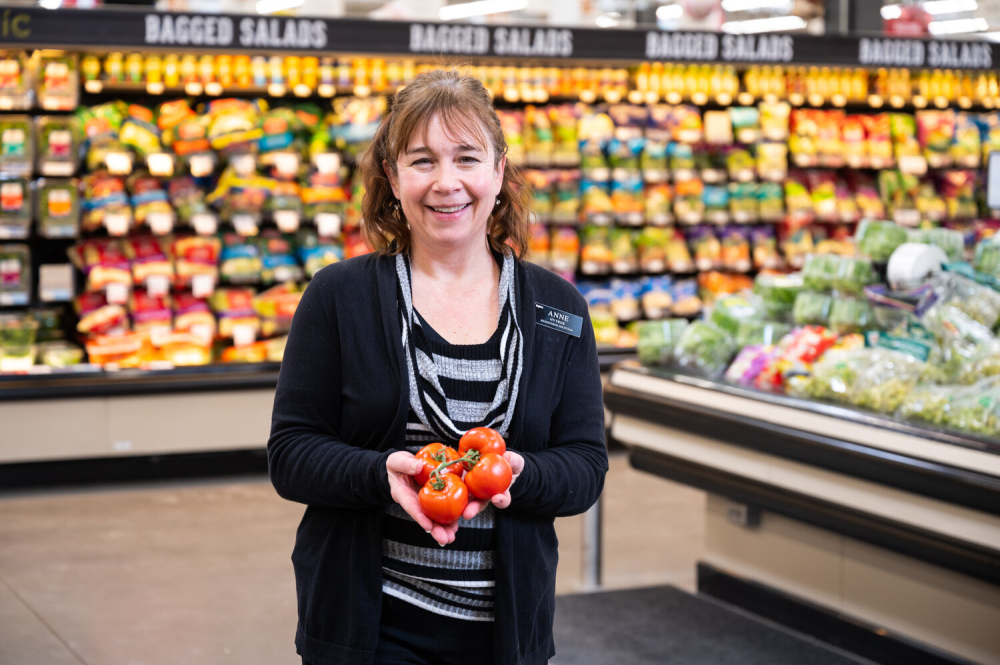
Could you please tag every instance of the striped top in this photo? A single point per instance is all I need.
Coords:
(460, 387)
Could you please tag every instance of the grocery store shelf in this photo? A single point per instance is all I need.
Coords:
(970, 487)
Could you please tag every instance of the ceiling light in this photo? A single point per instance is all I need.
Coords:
(890, 12)
(669, 12)
(774, 24)
(50, 4)
(950, 6)
(958, 26)
(608, 20)
(272, 6)
(750, 5)
(481, 8)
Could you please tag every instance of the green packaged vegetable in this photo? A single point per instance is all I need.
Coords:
(820, 271)
(811, 308)
(58, 145)
(951, 242)
(879, 239)
(850, 315)
(657, 340)
(704, 348)
(929, 403)
(17, 145)
(729, 311)
(58, 208)
(778, 293)
(768, 333)
(15, 208)
(853, 275)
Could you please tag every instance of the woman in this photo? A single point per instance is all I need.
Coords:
(441, 329)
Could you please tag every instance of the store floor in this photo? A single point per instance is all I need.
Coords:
(198, 572)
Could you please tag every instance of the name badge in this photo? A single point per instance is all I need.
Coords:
(556, 319)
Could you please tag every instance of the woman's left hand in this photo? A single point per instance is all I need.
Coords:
(500, 500)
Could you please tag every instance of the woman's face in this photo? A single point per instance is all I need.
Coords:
(447, 185)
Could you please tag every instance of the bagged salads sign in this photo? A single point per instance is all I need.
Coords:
(478, 40)
(246, 32)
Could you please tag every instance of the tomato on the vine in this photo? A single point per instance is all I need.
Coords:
(444, 498)
(433, 455)
(482, 439)
(490, 476)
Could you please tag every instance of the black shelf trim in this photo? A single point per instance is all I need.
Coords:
(947, 483)
(967, 558)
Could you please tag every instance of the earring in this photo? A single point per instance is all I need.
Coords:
(497, 203)
(395, 206)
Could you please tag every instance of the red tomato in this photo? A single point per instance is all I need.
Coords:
(444, 505)
(482, 439)
(490, 476)
(432, 455)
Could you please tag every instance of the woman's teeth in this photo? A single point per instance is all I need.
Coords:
(451, 209)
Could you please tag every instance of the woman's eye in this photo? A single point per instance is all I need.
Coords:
(421, 161)
(468, 160)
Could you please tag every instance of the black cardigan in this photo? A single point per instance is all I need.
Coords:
(340, 410)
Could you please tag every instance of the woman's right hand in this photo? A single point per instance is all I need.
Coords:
(402, 467)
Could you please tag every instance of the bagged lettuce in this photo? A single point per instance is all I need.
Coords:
(704, 348)
(657, 340)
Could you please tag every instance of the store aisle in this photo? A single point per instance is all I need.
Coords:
(198, 572)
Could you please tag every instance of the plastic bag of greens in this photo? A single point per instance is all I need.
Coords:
(704, 348)
(729, 311)
(885, 379)
(979, 302)
(853, 275)
(976, 410)
(811, 308)
(778, 294)
(820, 271)
(929, 403)
(961, 338)
(657, 340)
(951, 242)
(750, 362)
(834, 376)
(981, 363)
(755, 332)
(850, 315)
(879, 239)
(987, 258)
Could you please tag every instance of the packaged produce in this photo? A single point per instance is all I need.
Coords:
(653, 161)
(627, 200)
(958, 188)
(803, 140)
(97, 317)
(566, 143)
(623, 155)
(652, 245)
(277, 256)
(566, 196)
(538, 142)
(148, 259)
(103, 262)
(276, 307)
(980, 303)
(798, 201)
(757, 331)
(16, 79)
(716, 203)
(731, 310)
(885, 379)
(770, 202)
(685, 297)
(624, 251)
(538, 245)
(774, 120)
(58, 81)
(828, 138)
(689, 204)
(511, 122)
(140, 134)
(105, 204)
(778, 294)
(811, 308)
(935, 129)
(866, 196)
(682, 164)
(796, 242)
(687, 127)
(595, 253)
(735, 249)
(850, 315)
(240, 260)
(125, 350)
(194, 256)
(15, 207)
(853, 274)
(656, 296)
(966, 147)
(765, 248)
(714, 284)
(823, 193)
(354, 245)
(879, 138)
(798, 350)
(59, 353)
(678, 255)
(149, 200)
(658, 339)
(820, 271)
(316, 252)
(746, 123)
(903, 130)
(750, 362)
(58, 208)
(58, 145)
(707, 248)
(15, 275)
(186, 198)
(743, 208)
(193, 315)
(704, 348)
(878, 240)
(17, 145)
(596, 204)
(929, 403)
(564, 249)
(712, 162)
(150, 312)
(625, 300)
(854, 143)
(235, 311)
(659, 204)
(951, 242)
(540, 186)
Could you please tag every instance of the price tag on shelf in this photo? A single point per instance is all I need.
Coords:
(244, 164)
(116, 293)
(284, 274)
(205, 223)
(913, 164)
(157, 285)
(244, 335)
(287, 220)
(161, 223)
(245, 225)
(116, 223)
(327, 162)
(160, 164)
(56, 169)
(202, 331)
(286, 163)
(118, 163)
(328, 224)
(201, 165)
(202, 286)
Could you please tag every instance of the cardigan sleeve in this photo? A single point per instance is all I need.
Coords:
(568, 476)
(307, 460)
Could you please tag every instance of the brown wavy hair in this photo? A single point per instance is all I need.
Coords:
(465, 108)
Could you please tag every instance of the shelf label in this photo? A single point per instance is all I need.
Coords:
(284, 274)
(161, 223)
(161, 164)
(243, 164)
(205, 223)
(327, 162)
(116, 223)
(913, 164)
(157, 285)
(287, 220)
(118, 163)
(244, 335)
(202, 286)
(201, 165)
(58, 169)
(286, 163)
(245, 225)
(328, 224)
(117, 293)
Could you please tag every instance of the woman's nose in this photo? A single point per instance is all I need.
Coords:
(447, 179)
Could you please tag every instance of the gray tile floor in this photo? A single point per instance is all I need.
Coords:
(198, 572)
